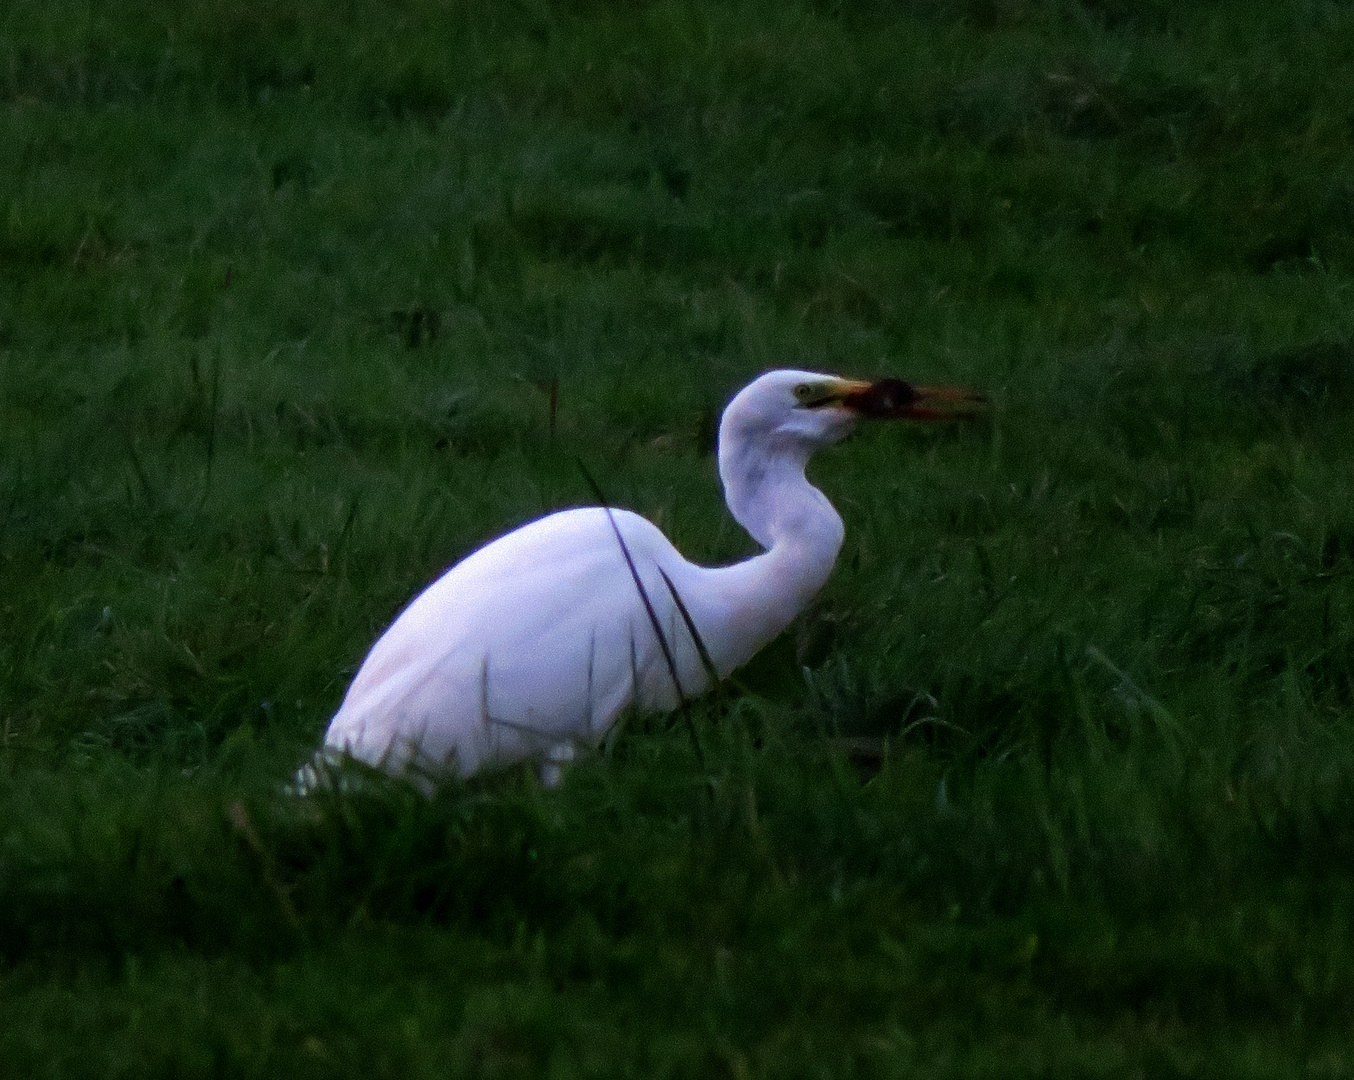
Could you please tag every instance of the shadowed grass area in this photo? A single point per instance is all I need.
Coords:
(1057, 775)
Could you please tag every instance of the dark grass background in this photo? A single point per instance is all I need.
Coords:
(1056, 778)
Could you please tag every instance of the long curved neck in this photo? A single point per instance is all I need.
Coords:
(770, 497)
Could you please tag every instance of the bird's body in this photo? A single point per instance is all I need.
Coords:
(537, 642)
(454, 677)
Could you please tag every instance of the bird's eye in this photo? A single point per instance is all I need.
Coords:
(814, 395)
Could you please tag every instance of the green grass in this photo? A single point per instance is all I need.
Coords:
(1056, 778)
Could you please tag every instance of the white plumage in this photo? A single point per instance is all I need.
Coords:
(534, 644)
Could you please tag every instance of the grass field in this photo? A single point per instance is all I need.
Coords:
(1056, 778)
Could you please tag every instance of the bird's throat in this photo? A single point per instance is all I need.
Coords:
(789, 517)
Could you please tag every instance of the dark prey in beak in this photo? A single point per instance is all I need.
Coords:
(886, 399)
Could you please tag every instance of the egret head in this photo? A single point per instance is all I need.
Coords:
(806, 410)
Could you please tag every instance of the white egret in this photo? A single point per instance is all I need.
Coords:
(533, 645)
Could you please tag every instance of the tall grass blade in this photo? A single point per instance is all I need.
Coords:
(663, 644)
(706, 661)
(211, 429)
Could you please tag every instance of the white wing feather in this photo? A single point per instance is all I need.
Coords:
(538, 639)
